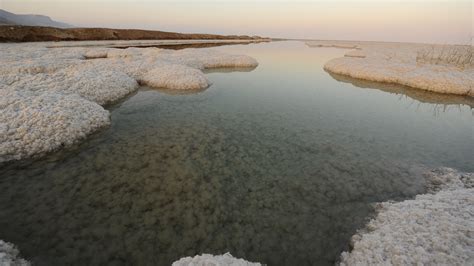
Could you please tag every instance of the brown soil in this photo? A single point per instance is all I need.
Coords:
(40, 34)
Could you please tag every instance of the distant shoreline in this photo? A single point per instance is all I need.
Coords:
(16, 33)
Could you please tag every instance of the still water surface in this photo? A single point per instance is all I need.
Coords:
(279, 165)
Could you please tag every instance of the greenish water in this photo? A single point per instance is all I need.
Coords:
(279, 165)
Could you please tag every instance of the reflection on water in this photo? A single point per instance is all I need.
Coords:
(415, 94)
(278, 165)
(185, 45)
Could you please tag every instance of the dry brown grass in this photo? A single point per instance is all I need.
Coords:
(460, 56)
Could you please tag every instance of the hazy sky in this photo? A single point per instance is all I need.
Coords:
(441, 21)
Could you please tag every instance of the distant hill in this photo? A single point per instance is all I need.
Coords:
(8, 18)
(16, 33)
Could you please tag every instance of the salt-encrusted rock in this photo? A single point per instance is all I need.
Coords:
(432, 229)
(213, 260)
(33, 123)
(9, 255)
(176, 77)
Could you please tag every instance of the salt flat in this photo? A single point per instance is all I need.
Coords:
(438, 68)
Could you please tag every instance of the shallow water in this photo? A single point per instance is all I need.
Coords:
(279, 165)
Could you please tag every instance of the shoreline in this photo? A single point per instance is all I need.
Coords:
(447, 69)
(19, 33)
(53, 97)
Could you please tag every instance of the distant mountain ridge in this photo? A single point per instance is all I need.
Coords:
(8, 18)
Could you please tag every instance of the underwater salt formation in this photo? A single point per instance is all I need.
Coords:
(432, 229)
(9, 255)
(52, 97)
(443, 69)
(208, 260)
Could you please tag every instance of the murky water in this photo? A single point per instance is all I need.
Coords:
(278, 165)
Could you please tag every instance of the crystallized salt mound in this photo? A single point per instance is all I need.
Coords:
(211, 260)
(432, 229)
(91, 82)
(443, 69)
(32, 123)
(441, 79)
(9, 255)
(51, 97)
(177, 77)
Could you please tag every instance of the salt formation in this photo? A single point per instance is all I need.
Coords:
(33, 123)
(210, 260)
(9, 255)
(52, 97)
(175, 77)
(432, 229)
(442, 69)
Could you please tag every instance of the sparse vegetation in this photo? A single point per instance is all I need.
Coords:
(454, 55)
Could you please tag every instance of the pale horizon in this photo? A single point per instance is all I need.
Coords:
(423, 21)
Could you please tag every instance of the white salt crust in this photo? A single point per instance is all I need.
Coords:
(213, 260)
(432, 229)
(400, 63)
(175, 77)
(52, 97)
(9, 255)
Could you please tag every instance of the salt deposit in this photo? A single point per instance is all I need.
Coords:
(213, 260)
(36, 122)
(175, 77)
(9, 255)
(432, 229)
(52, 97)
(442, 69)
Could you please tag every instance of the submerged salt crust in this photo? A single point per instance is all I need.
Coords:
(438, 68)
(213, 260)
(52, 97)
(432, 229)
(9, 255)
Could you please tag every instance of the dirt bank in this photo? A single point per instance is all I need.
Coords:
(41, 34)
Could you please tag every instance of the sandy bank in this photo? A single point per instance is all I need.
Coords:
(439, 68)
(52, 97)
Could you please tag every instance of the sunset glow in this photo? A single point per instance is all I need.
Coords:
(415, 21)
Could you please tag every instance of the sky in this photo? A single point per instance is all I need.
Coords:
(432, 21)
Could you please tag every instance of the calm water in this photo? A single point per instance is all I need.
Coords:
(279, 165)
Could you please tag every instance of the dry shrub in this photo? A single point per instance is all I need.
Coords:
(453, 55)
